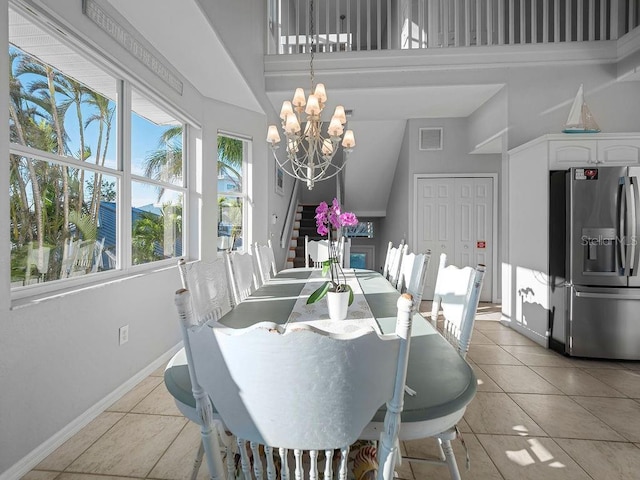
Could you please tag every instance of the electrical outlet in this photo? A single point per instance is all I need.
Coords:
(123, 333)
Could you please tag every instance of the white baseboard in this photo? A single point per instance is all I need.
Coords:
(42, 451)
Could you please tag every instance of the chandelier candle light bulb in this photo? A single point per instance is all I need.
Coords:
(335, 128)
(298, 99)
(313, 106)
(340, 114)
(349, 141)
(286, 109)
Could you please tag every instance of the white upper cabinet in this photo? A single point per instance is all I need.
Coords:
(594, 149)
(572, 153)
(617, 152)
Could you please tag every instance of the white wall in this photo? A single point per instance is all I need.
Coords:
(539, 99)
(394, 227)
(454, 158)
(488, 121)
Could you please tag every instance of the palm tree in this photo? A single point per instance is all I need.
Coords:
(43, 93)
(37, 119)
(230, 156)
(104, 116)
(21, 117)
(165, 163)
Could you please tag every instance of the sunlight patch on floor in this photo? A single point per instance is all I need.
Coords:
(536, 453)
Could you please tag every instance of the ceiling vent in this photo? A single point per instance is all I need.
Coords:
(431, 139)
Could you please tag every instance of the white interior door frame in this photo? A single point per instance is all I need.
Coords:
(413, 234)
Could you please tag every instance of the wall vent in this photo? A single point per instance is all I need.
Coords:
(431, 139)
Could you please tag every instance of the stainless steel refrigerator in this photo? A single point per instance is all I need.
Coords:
(594, 257)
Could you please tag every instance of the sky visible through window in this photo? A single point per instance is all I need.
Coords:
(145, 140)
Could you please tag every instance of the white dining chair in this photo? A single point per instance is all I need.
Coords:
(302, 390)
(344, 252)
(457, 293)
(393, 262)
(242, 274)
(271, 255)
(413, 274)
(210, 299)
(266, 262)
(315, 252)
(259, 278)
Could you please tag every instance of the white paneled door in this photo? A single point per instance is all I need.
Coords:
(454, 215)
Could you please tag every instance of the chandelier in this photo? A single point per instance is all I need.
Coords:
(309, 152)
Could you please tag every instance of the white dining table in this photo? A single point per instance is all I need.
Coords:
(442, 380)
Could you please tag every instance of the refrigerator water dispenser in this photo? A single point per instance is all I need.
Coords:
(599, 251)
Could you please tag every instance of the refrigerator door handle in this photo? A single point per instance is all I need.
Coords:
(622, 227)
(633, 231)
(614, 296)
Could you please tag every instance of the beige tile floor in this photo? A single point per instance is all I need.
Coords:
(537, 415)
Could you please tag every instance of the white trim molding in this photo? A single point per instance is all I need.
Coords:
(131, 41)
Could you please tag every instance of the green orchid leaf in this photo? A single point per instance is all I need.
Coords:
(350, 294)
(319, 293)
(326, 266)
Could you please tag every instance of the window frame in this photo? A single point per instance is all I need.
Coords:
(245, 193)
(125, 82)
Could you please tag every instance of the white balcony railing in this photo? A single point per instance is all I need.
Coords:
(355, 25)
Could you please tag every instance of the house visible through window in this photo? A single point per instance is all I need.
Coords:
(232, 213)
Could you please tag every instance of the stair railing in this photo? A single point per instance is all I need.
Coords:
(287, 229)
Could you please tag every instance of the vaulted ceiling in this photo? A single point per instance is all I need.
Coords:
(379, 112)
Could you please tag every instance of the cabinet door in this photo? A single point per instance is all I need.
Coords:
(565, 154)
(619, 152)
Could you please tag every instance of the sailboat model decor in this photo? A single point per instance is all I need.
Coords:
(580, 117)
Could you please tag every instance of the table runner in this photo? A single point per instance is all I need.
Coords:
(316, 314)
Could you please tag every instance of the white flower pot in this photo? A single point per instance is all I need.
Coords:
(337, 304)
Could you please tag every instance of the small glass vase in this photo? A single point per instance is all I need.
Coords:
(337, 304)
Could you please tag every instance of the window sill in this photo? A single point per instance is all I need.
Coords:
(33, 295)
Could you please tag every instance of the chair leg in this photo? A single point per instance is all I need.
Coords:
(211, 447)
(450, 459)
(446, 452)
(197, 462)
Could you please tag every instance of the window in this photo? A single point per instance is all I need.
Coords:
(69, 188)
(231, 192)
(361, 229)
(157, 177)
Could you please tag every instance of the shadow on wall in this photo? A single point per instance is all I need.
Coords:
(532, 317)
